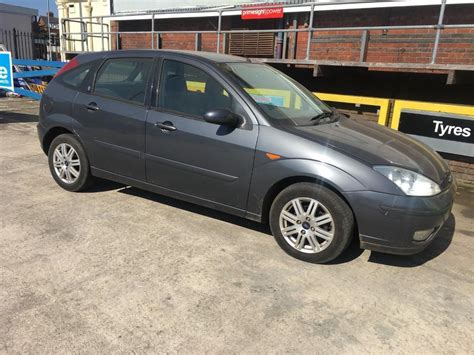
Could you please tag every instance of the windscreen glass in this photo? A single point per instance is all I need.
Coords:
(278, 96)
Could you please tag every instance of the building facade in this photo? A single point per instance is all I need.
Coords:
(417, 35)
(16, 32)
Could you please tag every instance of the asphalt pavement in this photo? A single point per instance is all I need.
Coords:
(118, 269)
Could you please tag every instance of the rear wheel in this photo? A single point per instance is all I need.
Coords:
(311, 223)
(68, 163)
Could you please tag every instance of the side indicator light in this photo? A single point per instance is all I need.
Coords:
(272, 156)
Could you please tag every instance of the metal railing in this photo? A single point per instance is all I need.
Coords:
(84, 34)
(19, 43)
(219, 32)
(29, 45)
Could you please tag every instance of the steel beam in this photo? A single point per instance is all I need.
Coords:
(310, 31)
(219, 24)
(439, 27)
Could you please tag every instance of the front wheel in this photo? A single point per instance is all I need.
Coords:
(311, 223)
(68, 163)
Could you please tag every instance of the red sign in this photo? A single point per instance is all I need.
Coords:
(257, 13)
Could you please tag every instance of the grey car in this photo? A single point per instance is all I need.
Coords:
(243, 138)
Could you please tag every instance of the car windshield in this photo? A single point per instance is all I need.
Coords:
(280, 97)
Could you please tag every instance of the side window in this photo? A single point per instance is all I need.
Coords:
(124, 79)
(76, 76)
(189, 90)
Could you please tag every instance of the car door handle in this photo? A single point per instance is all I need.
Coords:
(166, 126)
(92, 106)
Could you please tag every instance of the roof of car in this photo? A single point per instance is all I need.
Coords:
(211, 56)
(205, 56)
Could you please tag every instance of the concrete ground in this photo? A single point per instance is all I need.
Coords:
(119, 269)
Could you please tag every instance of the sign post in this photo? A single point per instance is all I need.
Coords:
(6, 71)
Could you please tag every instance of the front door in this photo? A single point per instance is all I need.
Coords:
(188, 155)
(111, 118)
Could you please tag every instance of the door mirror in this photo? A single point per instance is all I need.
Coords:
(222, 116)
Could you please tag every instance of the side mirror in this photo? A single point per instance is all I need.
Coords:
(221, 116)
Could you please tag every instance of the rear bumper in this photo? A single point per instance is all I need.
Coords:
(387, 223)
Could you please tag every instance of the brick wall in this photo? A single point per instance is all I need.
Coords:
(113, 28)
(402, 46)
(183, 41)
(463, 171)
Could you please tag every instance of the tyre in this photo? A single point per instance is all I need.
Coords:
(311, 223)
(68, 163)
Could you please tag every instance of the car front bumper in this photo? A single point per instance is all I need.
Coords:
(387, 223)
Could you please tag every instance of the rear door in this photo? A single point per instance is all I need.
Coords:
(186, 154)
(111, 116)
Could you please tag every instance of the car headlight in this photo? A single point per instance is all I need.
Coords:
(411, 183)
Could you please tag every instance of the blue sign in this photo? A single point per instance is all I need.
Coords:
(6, 75)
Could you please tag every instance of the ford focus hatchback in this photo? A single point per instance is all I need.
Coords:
(243, 138)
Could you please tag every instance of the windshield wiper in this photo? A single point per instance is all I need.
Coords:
(322, 115)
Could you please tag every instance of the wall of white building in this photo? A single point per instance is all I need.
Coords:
(88, 10)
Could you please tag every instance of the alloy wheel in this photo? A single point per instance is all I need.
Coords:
(307, 225)
(66, 163)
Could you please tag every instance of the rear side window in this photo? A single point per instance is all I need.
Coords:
(76, 76)
(124, 79)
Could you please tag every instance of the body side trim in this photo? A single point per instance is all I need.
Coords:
(167, 192)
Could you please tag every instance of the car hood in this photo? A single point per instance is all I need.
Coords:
(376, 145)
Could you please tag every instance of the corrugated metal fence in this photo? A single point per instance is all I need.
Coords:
(28, 45)
(18, 42)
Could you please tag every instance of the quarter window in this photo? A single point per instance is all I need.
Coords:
(124, 79)
(76, 76)
(191, 91)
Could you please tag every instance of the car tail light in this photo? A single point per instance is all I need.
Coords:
(69, 65)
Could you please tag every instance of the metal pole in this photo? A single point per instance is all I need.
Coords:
(295, 38)
(438, 31)
(109, 38)
(364, 42)
(219, 22)
(224, 43)
(153, 31)
(102, 32)
(80, 26)
(197, 41)
(49, 35)
(32, 48)
(15, 44)
(310, 32)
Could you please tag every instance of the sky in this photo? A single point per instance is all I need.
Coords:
(41, 5)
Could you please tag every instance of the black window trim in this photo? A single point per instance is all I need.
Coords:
(154, 102)
(145, 102)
